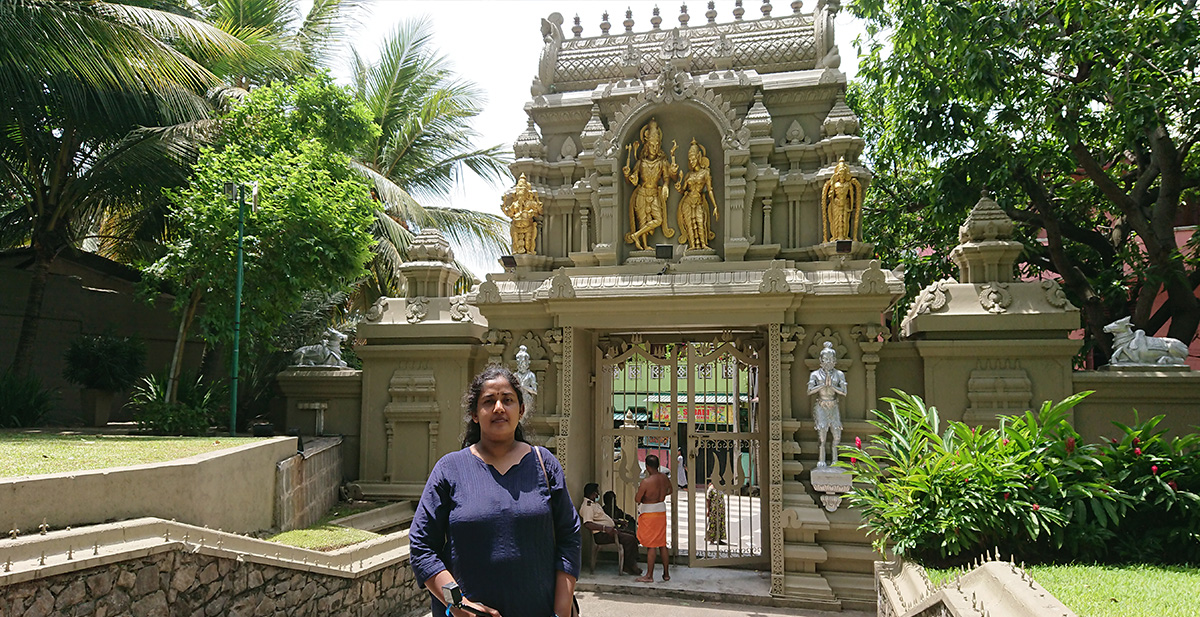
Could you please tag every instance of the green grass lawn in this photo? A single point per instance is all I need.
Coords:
(28, 453)
(1123, 591)
(1116, 591)
(326, 537)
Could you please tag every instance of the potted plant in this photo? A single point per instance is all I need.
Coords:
(103, 365)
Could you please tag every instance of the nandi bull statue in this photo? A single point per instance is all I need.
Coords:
(326, 353)
(1133, 347)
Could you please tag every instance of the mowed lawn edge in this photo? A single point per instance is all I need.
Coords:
(25, 453)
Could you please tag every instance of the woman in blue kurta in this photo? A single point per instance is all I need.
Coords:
(495, 517)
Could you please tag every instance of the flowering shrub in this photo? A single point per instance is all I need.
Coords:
(1031, 487)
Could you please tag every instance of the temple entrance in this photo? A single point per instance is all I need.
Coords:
(669, 396)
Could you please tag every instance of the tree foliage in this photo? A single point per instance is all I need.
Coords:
(309, 230)
(1081, 117)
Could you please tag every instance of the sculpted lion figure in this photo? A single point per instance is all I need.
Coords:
(1132, 346)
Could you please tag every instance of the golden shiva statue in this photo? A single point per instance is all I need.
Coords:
(524, 208)
(651, 177)
(841, 204)
(692, 212)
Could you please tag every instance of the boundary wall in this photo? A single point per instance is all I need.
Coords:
(231, 489)
(155, 567)
(306, 485)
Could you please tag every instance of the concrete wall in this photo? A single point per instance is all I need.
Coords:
(1118, 393)
(230, 489)
(306, 485)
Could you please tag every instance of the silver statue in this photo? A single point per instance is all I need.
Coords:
(529, 386)
(1132, 347)
(828, 383)
(326, 353)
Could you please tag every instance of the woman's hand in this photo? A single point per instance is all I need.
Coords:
(482, 609)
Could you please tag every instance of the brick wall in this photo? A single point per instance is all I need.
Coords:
(307, 484)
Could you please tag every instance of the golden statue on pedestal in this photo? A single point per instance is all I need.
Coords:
(524, 208)
(694, 229)
(651, 177)
(841, 204)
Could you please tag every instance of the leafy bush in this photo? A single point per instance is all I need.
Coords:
(191, 413)
(105, 361)
(23, 400)
(1031, 488)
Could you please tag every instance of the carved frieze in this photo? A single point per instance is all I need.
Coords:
(416, 309)
(995, 388)
(874, 281)
(995, 297)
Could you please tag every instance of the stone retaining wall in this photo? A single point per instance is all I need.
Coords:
(189, 584)
(306, 485)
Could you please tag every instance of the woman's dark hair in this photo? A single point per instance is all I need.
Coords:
(471, 402)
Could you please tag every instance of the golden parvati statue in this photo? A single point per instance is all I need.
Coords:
(694, 228)
(524, 208)
(841, 204)
(650, 175)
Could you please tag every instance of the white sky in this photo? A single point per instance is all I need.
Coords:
(496, 45)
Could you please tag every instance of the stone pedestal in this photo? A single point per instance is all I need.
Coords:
(828, 251)
(642, 257)
(833, 482)
(323, 400)
(533, 263)
(700, 255)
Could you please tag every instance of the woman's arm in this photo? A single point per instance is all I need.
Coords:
(435, 583)
(564, 593)
(567, 539)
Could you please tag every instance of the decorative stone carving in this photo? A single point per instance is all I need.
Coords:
(494, 341)
(416, 309)
(560, 285)
(841, 205)
(1054, 294)
(430, 271)
(459, 309)
(528, 381)
(932, 299)
(994, 297)
(489, 293)
(552, 37)
(413, 392)
(524, 208)
(826, 335)
(841, 120)
(873, 280)
(1131, 347)
(568, 150)
(529, 143)
(996, 388)
(986, 251)
(795, 134)
(378, 308)
(774, 281)
(326, 353)
(828, 384)
(833, 483)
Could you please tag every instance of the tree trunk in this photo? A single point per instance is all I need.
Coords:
(185, 323)
(22, 359)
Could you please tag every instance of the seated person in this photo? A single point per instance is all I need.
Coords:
(623, 520)
(604, 529)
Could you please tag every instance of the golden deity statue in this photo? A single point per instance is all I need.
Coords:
(651, 177)
(694, 229)
(841, 204)
(524, 208)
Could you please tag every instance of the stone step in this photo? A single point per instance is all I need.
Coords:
(856, 591)
(851, 557)
(810, 587)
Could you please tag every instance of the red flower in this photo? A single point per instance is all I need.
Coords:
(1036, 507)
(1004, 442)
(1137, 451)
(1005, 495)
(853, 460)
(1136, 441)
(858, 442)
(1070, 445)
(966, 480)
(1171, 483)
(1154, 469)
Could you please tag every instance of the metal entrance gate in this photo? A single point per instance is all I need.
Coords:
(699, 400)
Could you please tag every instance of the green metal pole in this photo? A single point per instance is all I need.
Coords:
(237, 311)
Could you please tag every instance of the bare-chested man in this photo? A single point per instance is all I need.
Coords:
(652, 518)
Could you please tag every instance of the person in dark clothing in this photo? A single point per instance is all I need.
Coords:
(604, 528)
(624, 521)
(496, 517)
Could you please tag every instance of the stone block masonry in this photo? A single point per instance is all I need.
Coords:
(306, 485)
(198, 585)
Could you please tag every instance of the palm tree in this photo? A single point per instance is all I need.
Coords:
(423, 149)
(77, 79)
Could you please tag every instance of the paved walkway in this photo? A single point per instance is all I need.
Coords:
(691, 592)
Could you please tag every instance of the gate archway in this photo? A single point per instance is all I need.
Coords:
(674, 396)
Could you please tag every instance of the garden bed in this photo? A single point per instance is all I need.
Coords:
(26, 453)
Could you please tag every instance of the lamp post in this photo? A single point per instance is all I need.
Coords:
(238, 191)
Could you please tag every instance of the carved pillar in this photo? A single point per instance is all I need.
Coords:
(554, 343)
(775, 491)
(766, 202)
(871, 338)
(389, 429)
(585, 238)
(565, 394)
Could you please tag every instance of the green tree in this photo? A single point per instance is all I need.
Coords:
(77, 79)
(424, 147)
(1080, 116)
(309, 231)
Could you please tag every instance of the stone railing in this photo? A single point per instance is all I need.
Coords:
(992, 589)
(156, 567)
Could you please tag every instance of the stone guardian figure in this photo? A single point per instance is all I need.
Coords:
(651, 175)
(529, 386)
(828, 384)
